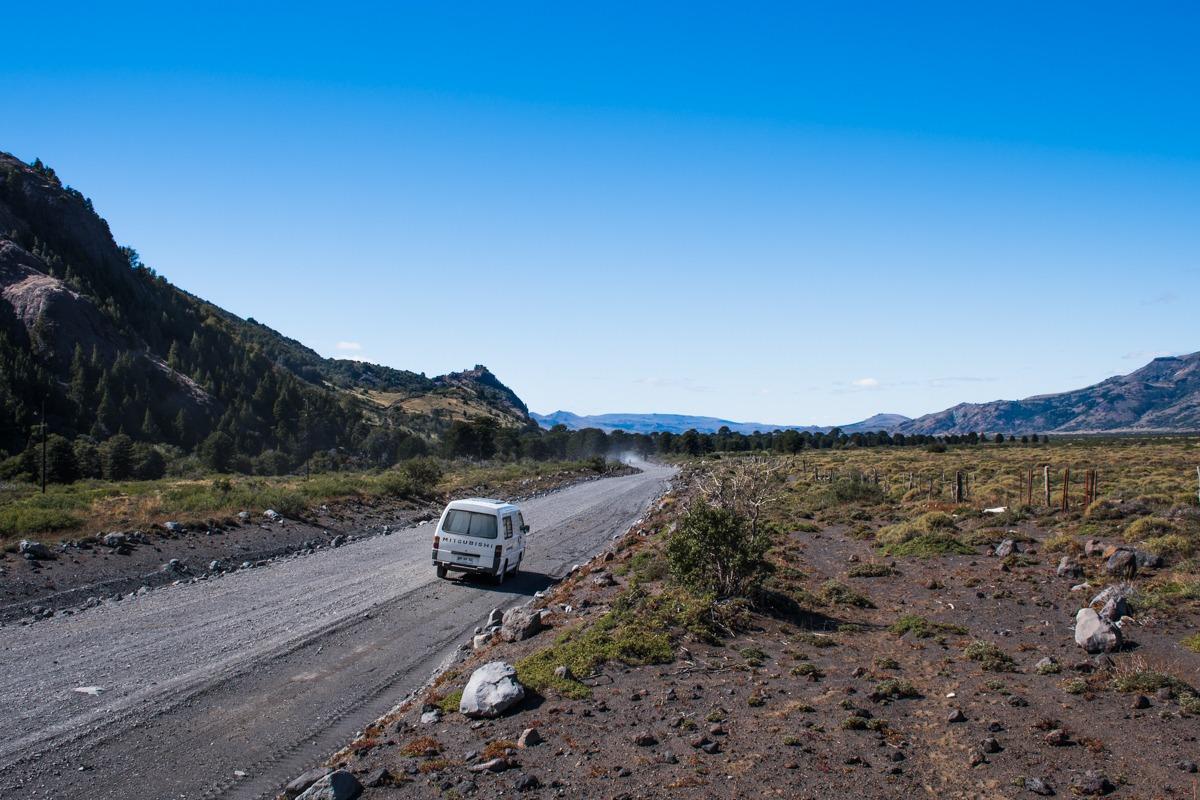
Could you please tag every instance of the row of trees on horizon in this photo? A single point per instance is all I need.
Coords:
(122, 457)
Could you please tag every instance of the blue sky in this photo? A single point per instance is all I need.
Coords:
(788, 213)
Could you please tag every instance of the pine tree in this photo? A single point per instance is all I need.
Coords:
(150, 430)
(116, 458)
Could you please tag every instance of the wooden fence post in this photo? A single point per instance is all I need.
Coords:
(1046, 483)
(1066, 492)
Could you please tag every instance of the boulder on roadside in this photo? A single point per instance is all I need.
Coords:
(339, 785)
(1068, 568)
(1113, 602)
(1093, 784)
(1122, 563)
(301, 783)
(377, 777)
(1115, 608)
(114, 539)
(1147, 560)
(174, 527)
(529, 738)
(492, 690)
(272, 515)
(1007, 548)
(1094, 633)
(1093, 547)
(34, 551)
(520, 623)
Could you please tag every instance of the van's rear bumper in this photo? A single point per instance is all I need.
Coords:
(479, 569)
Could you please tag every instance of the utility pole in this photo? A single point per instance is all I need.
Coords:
(307, 443)
(43, 444)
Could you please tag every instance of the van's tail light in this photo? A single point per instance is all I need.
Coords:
(437, 540)
(499, 550)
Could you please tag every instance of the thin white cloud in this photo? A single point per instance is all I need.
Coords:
(1147, 355)
(348, 346)
(865, 383)
(673, 383)
(1160, 299)
(951, 380)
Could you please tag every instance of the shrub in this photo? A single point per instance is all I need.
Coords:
(1137, 676)
(839, 594)
(714, 552)
(1173, 544)
(894, 688)
(869, 570)
(1148, 527)
(929, 522)
(1192, 643)
(990, 657)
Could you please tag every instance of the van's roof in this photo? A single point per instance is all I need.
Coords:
(481, 504)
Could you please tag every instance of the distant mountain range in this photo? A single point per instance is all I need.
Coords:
(678, 423)
(1161, 397)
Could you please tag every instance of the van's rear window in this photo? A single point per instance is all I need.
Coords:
(470, 523)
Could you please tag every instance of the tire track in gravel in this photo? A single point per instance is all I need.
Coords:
(263, 671)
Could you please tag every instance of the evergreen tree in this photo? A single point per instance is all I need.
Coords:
(87, 457)
(61, 465)
(217, 451)
(148, 462)
(116, 458)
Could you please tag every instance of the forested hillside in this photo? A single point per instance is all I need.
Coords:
(134, 372)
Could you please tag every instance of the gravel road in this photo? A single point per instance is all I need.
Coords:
(229, 687)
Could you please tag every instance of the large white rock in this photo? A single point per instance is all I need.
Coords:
(1094, 633)
(492, 689)
(520, 623)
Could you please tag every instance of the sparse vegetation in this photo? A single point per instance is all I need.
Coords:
(989, 656)
(921, 628)
(872, 570)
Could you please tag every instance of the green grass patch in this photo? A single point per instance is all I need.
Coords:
(16, 521)
(922, 628)
(638, 630)
(1167, 594)
(872, 570)
(929, 545)
(449, 703)
(1192, 643)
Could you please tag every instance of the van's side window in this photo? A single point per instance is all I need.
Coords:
(520, 521)
(508, 527)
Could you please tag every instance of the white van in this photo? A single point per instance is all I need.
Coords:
(480, 535)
